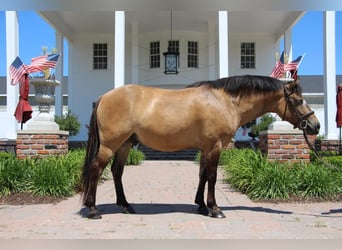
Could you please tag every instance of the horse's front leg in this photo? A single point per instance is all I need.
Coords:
(212, 162)
(202, 208)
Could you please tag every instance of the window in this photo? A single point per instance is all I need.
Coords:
(174, 46)
(192, 54)
(155, 54)
(100, 56)
(247, 55)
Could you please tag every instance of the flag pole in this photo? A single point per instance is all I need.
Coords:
(299, 63)
(340, 142)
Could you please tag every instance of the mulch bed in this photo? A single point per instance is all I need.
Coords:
(300, 199)
(27, 199)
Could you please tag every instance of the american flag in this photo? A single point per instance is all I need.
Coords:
(293, 65)
(17, 69)
(278, 70)
(40, 63)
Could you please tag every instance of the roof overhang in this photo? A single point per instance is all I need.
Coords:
(165, 5)
(270, 23)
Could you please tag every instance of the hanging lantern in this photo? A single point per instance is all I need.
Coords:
(171, 57)
(171, 62)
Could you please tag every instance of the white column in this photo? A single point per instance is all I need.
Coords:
(288, 44)
(330, 132)
(276, 48)
(223, 44)
(211, 50)
(119, 56)
(59, 74)
(135, 52)
(12, 50)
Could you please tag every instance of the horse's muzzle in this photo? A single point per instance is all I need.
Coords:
(311, 127)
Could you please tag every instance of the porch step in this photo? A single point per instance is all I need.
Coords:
(151, 154)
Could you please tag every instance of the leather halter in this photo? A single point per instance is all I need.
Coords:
(294, 104)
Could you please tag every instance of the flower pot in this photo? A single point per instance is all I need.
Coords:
(44, 93)
(45, 96)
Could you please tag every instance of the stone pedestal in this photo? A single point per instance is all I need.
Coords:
(285, 145)
(38, 144)
(42, 136)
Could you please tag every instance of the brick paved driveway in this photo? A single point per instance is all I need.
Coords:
(162, 193)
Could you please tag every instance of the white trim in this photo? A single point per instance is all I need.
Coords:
(329, 75)
(119, 56)
(288, 44)
(223, 44)
(211, 50)
(12, 50)
(59, 74)
(135, 52)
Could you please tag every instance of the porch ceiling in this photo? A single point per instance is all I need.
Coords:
(94, 22)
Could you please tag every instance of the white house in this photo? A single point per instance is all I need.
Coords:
(112, 43)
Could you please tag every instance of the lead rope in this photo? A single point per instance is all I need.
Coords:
(318, 157)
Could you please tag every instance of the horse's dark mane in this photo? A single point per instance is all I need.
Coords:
(243, 85)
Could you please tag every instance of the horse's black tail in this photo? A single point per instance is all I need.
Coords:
(91, 152)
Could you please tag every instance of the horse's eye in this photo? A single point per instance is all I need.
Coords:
(300, 102)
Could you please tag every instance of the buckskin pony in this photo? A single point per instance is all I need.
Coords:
(204, 116)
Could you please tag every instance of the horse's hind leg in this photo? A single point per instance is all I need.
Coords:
(117, 171)
(97, 166)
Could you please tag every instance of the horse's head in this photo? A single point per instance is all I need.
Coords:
(297, 111)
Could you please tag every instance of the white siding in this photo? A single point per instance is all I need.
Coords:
(156, 77)
(86, 84)
(265, 57)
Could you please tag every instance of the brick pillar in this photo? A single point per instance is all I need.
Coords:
(38, 144)
(285, 146)
(330, 145)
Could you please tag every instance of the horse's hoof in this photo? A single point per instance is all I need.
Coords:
(216, 213)
(94, 214)
(128, 210)
(203, 210)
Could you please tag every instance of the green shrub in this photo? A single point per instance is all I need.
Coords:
(50, 177)
(336, 161)
(6, 155)
(251, 173)
(317, 181)
(69, 122)
(274, 181)
(135, 157)
(265, 121)
(72, 163)
(225, 156)
(241, 166)
(14, 176)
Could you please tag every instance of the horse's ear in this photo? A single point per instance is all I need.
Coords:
(293, 86)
